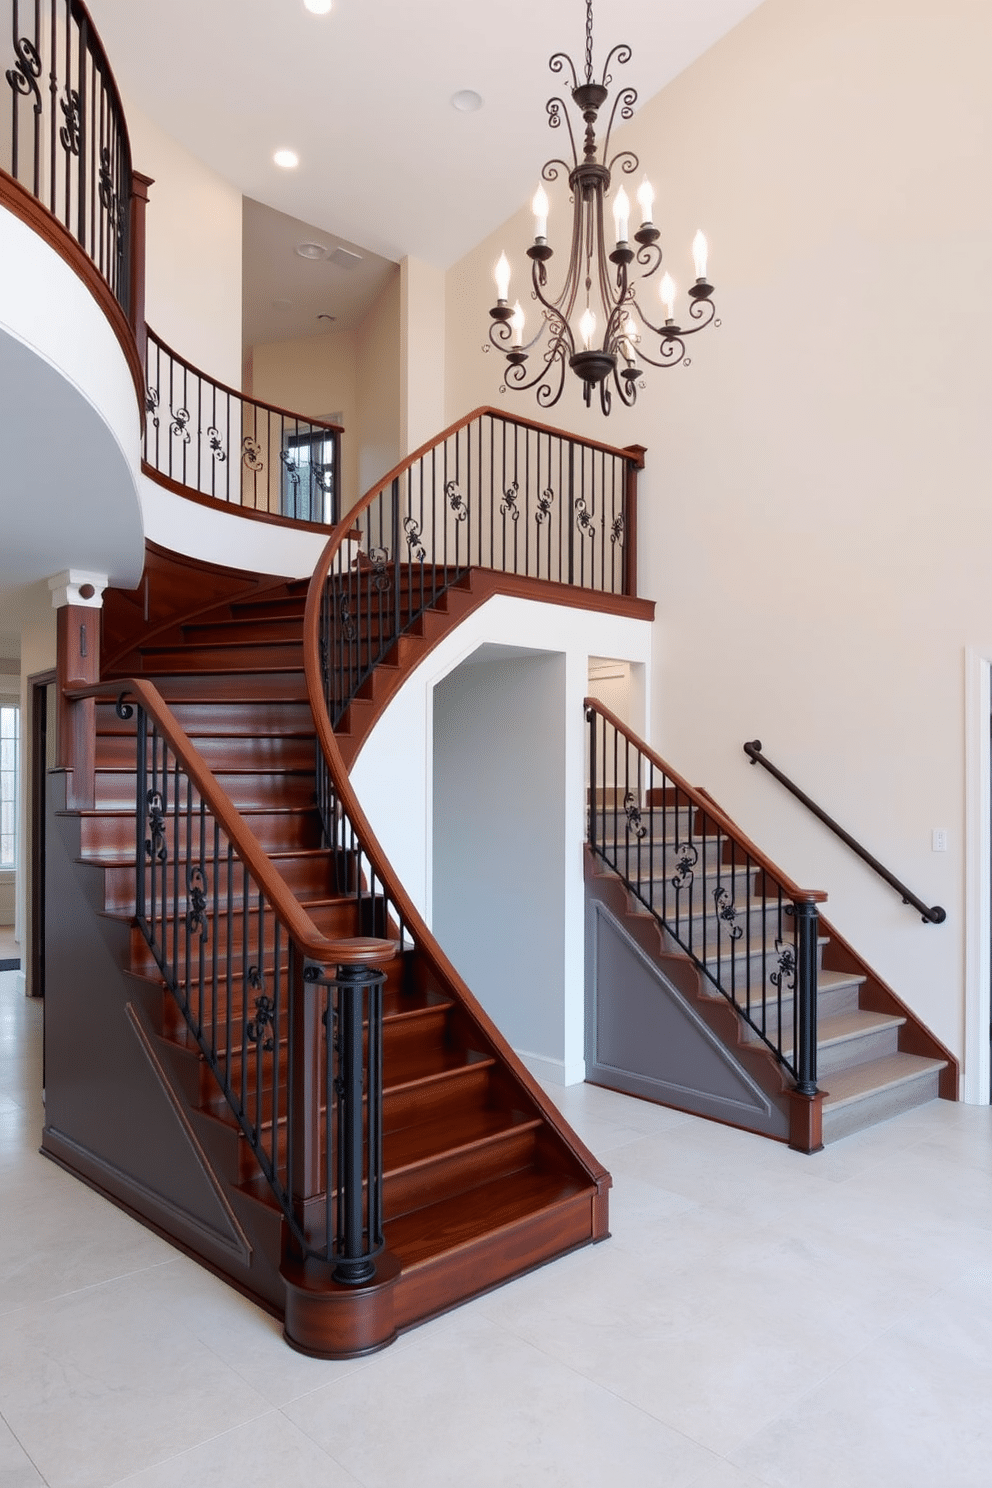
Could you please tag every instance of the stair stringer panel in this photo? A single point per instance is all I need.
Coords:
(653, 1031)
(144, 1149)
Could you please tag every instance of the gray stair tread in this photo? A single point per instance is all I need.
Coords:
(848, 1027)
(846, 1086)
(843, 1026)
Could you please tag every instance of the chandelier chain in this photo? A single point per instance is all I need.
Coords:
(588, 41)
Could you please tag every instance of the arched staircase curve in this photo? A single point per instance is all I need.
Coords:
(316, 1104)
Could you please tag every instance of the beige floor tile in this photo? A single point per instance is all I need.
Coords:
(267, 1454)
(16, 1468)
(477, 1406)
(102, 1383)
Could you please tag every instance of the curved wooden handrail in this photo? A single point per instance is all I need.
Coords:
(438, 961)
(316, 946)
(706, 804)
(233, 392)
(633, 453)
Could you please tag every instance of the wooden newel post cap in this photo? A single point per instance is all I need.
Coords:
(361, 950)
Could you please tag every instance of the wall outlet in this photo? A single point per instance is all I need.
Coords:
(938, 839)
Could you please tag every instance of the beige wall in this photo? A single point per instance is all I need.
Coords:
(379, 377)
(816, 520)
(315, 377)
(352, 372)
(193, 266)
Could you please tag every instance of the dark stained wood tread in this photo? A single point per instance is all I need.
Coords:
(414, 1146)
(417, 1068)
(422, 1235)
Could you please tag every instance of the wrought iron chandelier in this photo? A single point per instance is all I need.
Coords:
(595, 324)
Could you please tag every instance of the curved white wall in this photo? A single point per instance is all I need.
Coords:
(69, 424)
(222, 536)
(395, 779)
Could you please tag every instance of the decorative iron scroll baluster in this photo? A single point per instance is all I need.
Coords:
(71, 132)
(216, 444)
(617, 530)
(413, 535)
(379, 561)
(155, 844)
(197, 921)
(784, 976)
(151, 404)
(723, 902)
(456, 500)
(508, 506)
(584, 518)
(251, 454)
(179, 428)
(23, 76)
(686, 859)
(633, 812)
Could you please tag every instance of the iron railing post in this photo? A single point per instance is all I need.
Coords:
(807, 925)
(140, 818)
(360, 1154)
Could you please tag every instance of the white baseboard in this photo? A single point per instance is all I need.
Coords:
(551, 1071)
(21, 984)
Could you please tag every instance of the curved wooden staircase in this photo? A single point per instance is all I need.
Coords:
(195, 1066)
(482, 1178)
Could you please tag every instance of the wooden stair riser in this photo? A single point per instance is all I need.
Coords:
(249, 791)
(242, 754)
(273, 656)
(450, 1173)
(311, 876)
(110, 833)
(202, 718)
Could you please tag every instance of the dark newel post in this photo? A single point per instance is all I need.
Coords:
(806, 1124)
(359, 1236)
(304, 1088)
(136, 305)
(634, 465)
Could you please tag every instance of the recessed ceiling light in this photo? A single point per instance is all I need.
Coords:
(288, 159)
(466, 101)
(318, 7)
(312, 250)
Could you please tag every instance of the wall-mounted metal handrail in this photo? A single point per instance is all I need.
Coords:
(931, 914)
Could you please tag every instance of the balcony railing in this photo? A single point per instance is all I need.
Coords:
(62, 131)
(208, 440)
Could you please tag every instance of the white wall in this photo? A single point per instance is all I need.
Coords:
(815, 519)
(394, 773)
(499, 822)
(193, 262)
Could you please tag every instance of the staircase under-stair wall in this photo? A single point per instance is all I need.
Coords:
(714, 982)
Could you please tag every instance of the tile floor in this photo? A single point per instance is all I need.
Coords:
(758, 1320)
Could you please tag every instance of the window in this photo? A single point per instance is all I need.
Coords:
(9, 740)
(309, 478)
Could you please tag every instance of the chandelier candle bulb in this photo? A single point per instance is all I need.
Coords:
(666, 290)
(645, 198)
(539, 206)
(700, 253)
(517, 322)
(587, 328)
(621, 215)
(501, 273)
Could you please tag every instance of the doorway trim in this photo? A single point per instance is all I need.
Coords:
(978, 878)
